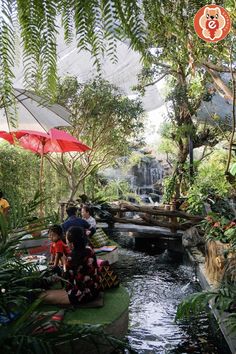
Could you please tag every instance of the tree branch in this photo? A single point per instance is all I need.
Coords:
(159, 79)
(228, 94)
(218, 68)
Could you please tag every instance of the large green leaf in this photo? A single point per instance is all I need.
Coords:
(233, 169)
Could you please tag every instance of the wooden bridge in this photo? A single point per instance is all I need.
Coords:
(148, 237)
(155, 223)
(141, 230)
(152, 225)
(151, 219)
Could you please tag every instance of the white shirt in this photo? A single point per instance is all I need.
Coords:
(91, 221)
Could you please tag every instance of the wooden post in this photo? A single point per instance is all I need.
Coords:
(167, 207)
(62, 211)
(173, 218)
(41, 189)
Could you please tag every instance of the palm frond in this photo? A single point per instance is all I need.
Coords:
(29, 19)
(231, 323)
(67, 21)
(194, 304)
(38, 29)
(222, 299)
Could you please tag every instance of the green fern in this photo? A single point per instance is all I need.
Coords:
(194, 304)
(223, 299)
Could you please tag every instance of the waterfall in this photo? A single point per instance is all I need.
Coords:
(142, 177)
(148, 172)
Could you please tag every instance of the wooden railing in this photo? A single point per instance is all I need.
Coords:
(149, 215)
(154, 216)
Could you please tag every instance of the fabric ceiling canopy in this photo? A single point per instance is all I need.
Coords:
(123, 73)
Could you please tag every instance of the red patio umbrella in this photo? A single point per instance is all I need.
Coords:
(54, 141)
(43, 143)
(11, 137)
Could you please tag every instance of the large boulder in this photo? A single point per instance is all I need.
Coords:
(191, 237)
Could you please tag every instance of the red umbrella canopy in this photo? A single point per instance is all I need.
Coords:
(42, 143)
(11, 137)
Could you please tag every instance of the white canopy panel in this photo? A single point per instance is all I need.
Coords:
(123, 73)
(31, 115)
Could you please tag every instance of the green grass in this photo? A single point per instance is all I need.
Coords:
(116, 301)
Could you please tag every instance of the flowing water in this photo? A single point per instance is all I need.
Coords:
(157, 283)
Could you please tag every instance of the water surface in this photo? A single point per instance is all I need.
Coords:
(157, 283)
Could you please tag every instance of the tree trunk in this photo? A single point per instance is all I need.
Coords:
(181, 159)
(73, 188)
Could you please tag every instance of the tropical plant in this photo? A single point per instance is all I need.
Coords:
(16, 294)
(169, 189)
(210, 186)
(233, 169)
(116, 190)
(219, 228)
(222, 299)
(24, 326)
(201, 196)
(105, 120)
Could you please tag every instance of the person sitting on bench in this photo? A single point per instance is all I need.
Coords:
(74, 220)
(86, 215)
(82, 269)
(83, 281)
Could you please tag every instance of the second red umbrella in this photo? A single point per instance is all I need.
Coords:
(54, 141)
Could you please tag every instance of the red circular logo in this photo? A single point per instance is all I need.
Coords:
(212, 23)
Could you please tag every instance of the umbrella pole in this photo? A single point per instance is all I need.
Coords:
(41, 180)
(41, 185)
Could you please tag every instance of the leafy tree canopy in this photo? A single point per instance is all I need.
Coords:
(102, 116)
(193, 67)
(104, 119)
(176, 46)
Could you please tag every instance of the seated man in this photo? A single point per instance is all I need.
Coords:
(74, 220)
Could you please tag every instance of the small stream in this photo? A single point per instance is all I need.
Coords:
(156, 284)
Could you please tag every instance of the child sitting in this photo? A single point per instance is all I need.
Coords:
(86, 215)
(58, 249)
